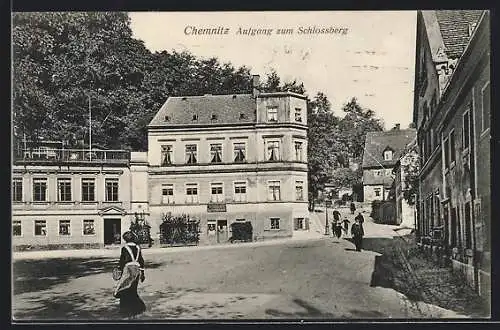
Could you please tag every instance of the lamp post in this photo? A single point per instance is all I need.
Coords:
(327, 202)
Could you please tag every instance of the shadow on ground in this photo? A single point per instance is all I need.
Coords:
(309, 312)
(38, 275)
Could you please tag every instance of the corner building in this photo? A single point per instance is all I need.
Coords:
(228, 158)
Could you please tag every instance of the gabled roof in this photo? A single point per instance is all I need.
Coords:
(449, 31)
(377, 142)
(227, 109)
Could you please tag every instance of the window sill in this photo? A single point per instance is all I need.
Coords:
(273, 230)
(40, 202)
(89, 235)
(89, 202)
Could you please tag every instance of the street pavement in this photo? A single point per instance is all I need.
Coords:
(309, 277)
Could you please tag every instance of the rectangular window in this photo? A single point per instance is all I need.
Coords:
(191, 154)
(299, 223)
(377, 192)
(217, 194)
(298, 151)
(88, 227)
(40, 228)
(446, 154)
(272, 114)
(192, 193)
(299, 190)
(64, 190)
(167, 153)
(64, 227)
(216, 153)
(17, 189)
(466, 126)
(167, 191)
(16, 228)
(485, 106)
(88, 190)
(239, 153)
(298, 115)
(274, 191)
(454, 228)
(39, 190)
(275, 223)
(273, 150)
(388, 155)
(468, 226)
(240, 191)
(452, 147)
(112, 190)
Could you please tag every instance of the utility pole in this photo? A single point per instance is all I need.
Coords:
(326, 217)
(90, 130)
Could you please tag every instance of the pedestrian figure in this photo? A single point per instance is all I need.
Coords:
(357, 233)
(338, 229)
(346, 222)
(353, 207)
(360, 218)
(336, 215)
(132, 270)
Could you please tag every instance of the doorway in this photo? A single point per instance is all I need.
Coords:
(112, 231)
(222, 232)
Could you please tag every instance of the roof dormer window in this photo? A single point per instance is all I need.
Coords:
(214, 117)
(388, 155)
(167, 118)
(195, 117)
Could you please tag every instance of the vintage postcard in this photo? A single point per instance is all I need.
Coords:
(300, 166)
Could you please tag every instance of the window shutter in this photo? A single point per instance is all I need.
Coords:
(295, 224)
(307, 223)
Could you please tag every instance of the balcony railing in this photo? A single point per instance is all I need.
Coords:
(72, 156)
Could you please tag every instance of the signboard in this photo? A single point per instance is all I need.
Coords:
(216, 207)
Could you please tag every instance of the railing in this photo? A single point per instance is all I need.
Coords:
(72, 156)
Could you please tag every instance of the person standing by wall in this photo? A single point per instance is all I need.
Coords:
(353, 207)
(346, 222)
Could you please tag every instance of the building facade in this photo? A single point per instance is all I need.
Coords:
(381, 153)
(228, 158)
(405, 213)
(66, 198)
(452, 114)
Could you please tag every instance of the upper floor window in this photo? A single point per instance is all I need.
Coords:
(240, 191)
(166, 155)
(272, 114)
(88, 190)
(239, 152)
(452, 146)
(64, 189)
(192, 193)
(485, 107)
(298, 115)
(39, 190)
(446, 153)
(112, 190)
(274, 191)
(40, 228)
(466, 127)
(298, 151)
(216, 153)
(377, 192)
(64, 227)
(217, 194)
(378, 173)
(167, 191)
(16, 228)
(191, 153)
(273, 150)
(388, 155)
(17, 189)
(299, 190)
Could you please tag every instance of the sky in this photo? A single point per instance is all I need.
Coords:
(371, 58)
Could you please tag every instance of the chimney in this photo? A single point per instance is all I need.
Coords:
(397, 127)
(255, 85)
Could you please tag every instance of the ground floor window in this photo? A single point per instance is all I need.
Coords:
(40, 228)
(275, 223)
(468, 226)
(377, 192)
(299, 223)
(64, 227)
(88, 227)
(16, 228)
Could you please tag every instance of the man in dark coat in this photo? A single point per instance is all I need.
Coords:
(353, 207)
(336, 215)
(357, 233)
(360, 218)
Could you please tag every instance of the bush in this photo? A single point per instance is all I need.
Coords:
(242, 231)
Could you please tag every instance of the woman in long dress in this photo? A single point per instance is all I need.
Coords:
(132, 267)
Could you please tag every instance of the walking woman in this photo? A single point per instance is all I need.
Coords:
(132, 267)
(338, 229)
(357, 233)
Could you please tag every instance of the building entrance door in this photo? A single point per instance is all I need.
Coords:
(222, 232)
(112, 231)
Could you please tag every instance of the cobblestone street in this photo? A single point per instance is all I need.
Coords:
(319, 278)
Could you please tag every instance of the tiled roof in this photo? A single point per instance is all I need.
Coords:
(225, 109)
(377, 142)
(455, 26)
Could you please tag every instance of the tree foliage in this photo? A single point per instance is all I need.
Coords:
(410, 165)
